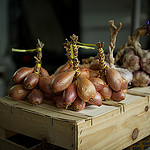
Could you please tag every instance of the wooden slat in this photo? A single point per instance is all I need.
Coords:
(141, 91)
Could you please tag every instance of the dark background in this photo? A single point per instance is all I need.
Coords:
(24, 21)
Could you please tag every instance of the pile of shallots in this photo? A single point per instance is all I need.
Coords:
(27, 80)
(73, 85)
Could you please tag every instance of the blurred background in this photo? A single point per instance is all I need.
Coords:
(22, 22)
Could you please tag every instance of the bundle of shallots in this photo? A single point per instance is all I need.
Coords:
(28, 81)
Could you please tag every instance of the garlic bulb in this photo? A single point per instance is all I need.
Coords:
(145, 61)
(131, 62)
(140, 78)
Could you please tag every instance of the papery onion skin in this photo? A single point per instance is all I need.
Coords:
(62, 68)
(18, 92)
(36, 96)
(94, 73)
(98, 83)
(119, 95)
(84, 72)
(44, 72)
(106, 92)
(21, 73)
(85, 89)
(114, 79)
(44, 84)
(31, 81)
(78, 104)
(62, 81)
(69, 95)
(97, 100)
(94, 64)
(59, 101)
(124, 84)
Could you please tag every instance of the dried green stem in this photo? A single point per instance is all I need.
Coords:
(38, 58)
(101, 57)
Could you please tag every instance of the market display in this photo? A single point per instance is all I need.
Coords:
(74, 85)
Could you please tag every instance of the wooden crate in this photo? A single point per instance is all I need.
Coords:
(114, 125)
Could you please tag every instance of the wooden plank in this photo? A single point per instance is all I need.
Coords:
(141, 91)
(114, 130)
(8, 145)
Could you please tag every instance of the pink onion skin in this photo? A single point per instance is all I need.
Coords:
(145, 62)
(94, 73)
(124, 84)
(44, 84)
(98, 83)
(36, 96)
(119, 95)
(85, 89)
(94, 64)
(84, 72)
(31, 81)
(61, 81)
(62, 68)
(106, 92)
(18, 92)
(97, 100)
(78, 104)
(69, 95)
(59, 101)
(140, 79)
(114, 79)
(44, 72)
(20, 74)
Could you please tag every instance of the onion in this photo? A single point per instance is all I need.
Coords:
(114, 79)
(59, 101)
(78, 104)
(84, 72)
(36, 96)
(69, 95)
(97, 100)
(94, 64)
(98, 83)
(62, 68)
(21, 73)
(119, 95)
(85, 89)
(44, 84)
(62, 81)
(31, 81)
(44, 72)
(18, 92)
(106, 92)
